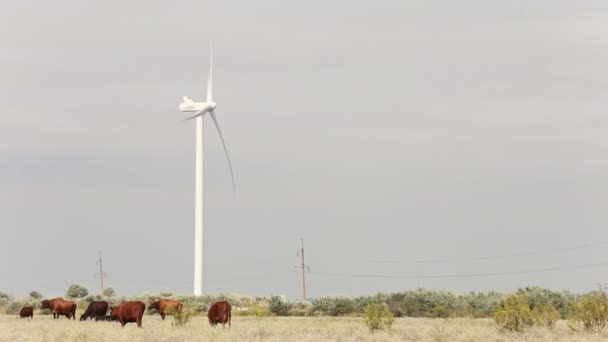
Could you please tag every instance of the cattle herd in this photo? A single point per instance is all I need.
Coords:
(126, 312)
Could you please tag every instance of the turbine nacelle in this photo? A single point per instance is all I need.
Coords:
(188, 105)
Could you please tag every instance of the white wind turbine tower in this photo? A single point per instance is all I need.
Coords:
(202, 108)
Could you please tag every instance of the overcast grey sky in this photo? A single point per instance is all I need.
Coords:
(382, 132)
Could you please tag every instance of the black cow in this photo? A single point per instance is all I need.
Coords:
(94, 310)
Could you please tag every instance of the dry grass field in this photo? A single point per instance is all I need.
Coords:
(280, 329)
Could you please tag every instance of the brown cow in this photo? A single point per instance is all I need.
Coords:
(128, 312)
(26, 311)
(220, 312)
(60, 306)
(164, 306)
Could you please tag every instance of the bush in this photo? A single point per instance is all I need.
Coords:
(77, 291)
(589, 313)
(35, 295)
(181, 317)
(442, 311)
(14, 307)
(341, 306)
(279, 306)
(378, 317)
(545, 315)
(479, 304)
(109, 292)
(514, 313)
(537, 296)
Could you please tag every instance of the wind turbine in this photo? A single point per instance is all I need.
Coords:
(202, 108)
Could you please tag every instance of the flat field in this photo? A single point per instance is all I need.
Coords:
(276, 329)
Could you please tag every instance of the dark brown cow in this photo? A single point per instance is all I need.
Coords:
(128, 312)
(164, 306)
(95, 309)
(26, 311)
(107, 318)
(220, 312)
(60, 306)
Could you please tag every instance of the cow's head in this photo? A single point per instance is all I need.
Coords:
(154, 305)
(45, 304)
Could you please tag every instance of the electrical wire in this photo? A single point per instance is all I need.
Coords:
(464, 275)
(491, 257)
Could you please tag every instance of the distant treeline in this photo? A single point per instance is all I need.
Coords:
(411, 303)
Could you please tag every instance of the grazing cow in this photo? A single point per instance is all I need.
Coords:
(95, 309)
(164, 306)
(220, 312)
(60, 306)
(128, 312)
(107, 318)
(26, 311)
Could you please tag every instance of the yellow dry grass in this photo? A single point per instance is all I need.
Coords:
(276, 329)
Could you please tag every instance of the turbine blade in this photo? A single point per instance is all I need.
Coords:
(194, 116)
(210, 80)
(217, 125)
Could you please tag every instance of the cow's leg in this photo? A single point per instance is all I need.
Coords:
(162, 315)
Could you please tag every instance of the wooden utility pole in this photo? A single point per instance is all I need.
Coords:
(304, 268)
(101, 273)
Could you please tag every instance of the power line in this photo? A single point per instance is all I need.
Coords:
(465, 275)
(490, 257)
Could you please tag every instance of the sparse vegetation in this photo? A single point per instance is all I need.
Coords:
(77, 291)
(514, 313)
(109, 292)
(35, 295)
(590, 313)
(279, 306)
(181, 318)
(529, 314)
(545, 315)
(378, 317)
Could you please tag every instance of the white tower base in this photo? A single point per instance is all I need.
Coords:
(198, 210)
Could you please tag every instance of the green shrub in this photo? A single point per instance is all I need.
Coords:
(545, 315)
(378, 317)
(514, 313)
(181, 317)
(538, 296)
(341, 306)
(35, 295)
(589, 313)
(279, 306)
(77, 291)
(109, 292)
(442, 311)
(480, 304)
(14, 307)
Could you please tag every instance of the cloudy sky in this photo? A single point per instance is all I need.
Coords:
(438, 144)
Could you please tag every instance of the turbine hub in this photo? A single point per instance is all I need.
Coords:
(212, 105)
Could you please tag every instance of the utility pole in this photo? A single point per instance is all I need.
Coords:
(304, 268)
(101, 273)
